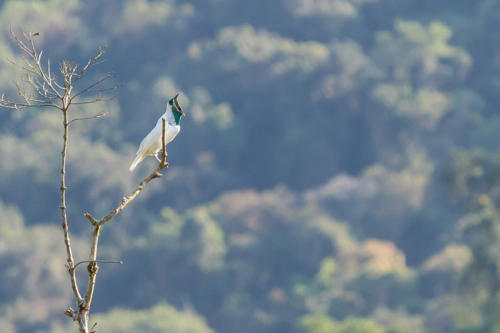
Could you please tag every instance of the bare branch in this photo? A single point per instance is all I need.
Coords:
(22, 94)
(100, 261)
(93, 85)
(19, 106)
(99, 115)
(91, 219)
(126, 200)
(94, 100)
(33, 63)
(101, 90)
(64, 218)
(93, 61)
(40, 88)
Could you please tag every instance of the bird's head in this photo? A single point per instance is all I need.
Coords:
(176, 108)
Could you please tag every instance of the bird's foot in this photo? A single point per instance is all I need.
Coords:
(157, 158)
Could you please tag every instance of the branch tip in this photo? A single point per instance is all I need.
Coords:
(91, 219)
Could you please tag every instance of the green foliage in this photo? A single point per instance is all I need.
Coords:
(472, 173)
(319, 324)
(324, 324)
(210, 238)
(415, 45)
(244, 45)
(441, 272)
(426, 106)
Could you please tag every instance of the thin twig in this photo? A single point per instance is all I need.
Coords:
(98, 82)
(19, 106)
(100, 261)
(91, 219)
(99, 115)
(94, 100)
(90, 63)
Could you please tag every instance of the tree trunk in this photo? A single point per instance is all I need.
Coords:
(83, 321)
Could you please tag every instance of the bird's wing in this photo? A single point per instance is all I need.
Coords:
(149, 144)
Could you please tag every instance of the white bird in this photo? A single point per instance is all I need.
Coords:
(152, 143)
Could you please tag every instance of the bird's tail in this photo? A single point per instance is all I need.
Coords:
(138, 159)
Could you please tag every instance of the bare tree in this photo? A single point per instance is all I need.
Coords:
(39, 87)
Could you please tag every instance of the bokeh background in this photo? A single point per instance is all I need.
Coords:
(338, 170)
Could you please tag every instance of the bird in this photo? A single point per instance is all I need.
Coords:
(152, 143)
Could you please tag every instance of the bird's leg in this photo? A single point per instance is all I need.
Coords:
(158, 158)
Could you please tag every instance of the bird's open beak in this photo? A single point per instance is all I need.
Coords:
(177, 105)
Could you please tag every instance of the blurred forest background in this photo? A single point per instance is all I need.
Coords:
(338, 170)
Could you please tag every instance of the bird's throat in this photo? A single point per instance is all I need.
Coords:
(177, 117)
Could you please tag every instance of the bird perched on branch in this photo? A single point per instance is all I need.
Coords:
(152, 144)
